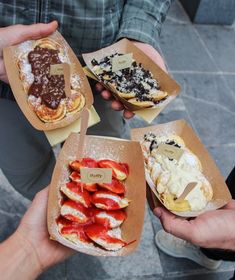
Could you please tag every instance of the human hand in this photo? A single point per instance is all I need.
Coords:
(117, 105)
(16, 34)
(213, 229)
(33, 231)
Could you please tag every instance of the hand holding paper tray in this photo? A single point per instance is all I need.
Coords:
(118, 151)
(49, 95)
(196, 156)
(167, 85)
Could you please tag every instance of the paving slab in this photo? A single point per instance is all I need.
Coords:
(223, 158)
(177, 14)
(225, 275)
(210, 106)
(220, 41)
(175, 110)
(12, 207)
(230, 80)
(183, 49)
(8, 224)
(57, 272)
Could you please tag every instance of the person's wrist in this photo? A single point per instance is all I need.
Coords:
(31, 259)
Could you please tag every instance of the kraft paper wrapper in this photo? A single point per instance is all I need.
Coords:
(10, 55)
(59, 135)
(101, 148)
(167, 84)
(221, 194)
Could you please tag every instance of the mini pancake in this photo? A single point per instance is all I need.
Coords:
(72, 231)
(49, 115)
(48, 44)
(110, 219)
(75, 192)
(108, 200)
(120, 170)
(126, 95)
(109, 239)
(74, 212)
(159, 95)
(75, 103)
(141, 104)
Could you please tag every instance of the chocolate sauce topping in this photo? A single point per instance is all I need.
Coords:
(49, 88)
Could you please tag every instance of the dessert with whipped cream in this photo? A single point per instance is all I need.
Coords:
(135, 84)
(172, 176)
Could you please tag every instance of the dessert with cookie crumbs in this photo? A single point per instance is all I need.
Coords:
(46, 92)
(171, 176)
(135, 84)
(92, 214)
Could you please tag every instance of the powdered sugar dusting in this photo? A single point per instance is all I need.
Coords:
(75, 81)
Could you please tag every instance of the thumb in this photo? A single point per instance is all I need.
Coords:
(178, 226)
(19, 33)
(230, 205)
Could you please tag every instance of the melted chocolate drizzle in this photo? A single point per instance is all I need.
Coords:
(49, 88)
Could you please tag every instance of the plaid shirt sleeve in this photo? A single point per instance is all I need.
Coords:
(142, 20)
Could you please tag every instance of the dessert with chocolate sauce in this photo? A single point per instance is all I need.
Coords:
(46, 92)
(135, 83)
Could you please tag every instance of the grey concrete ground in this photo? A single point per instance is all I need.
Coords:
(202, 60)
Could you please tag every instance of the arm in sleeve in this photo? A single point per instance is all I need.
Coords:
(142, 19)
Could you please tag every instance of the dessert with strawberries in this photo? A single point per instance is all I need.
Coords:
(93, 213)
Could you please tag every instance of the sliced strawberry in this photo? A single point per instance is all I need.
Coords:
(71, 230)
(63, 222)
(74, 233)
(91, 187)
(85, 162)
(108, 201)
(120, 171)
(75, 212)
(75, 177)
(109, 219)
(104, 237)
(115, 186)
(75, 192)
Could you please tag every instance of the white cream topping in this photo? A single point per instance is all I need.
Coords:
(110, 196)
(176, 176)
(115, 233)
(75, 81)
(35, 101)
(67, 210)
(113, 222)
(72, 195)
(123, 202)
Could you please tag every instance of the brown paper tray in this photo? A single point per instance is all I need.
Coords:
(10, 55)
(98, 148)
(125, 46)
(221, 194)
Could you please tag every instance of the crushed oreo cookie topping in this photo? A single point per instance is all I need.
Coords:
(135, 81)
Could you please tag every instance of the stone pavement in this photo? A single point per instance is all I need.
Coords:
(202, 60)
